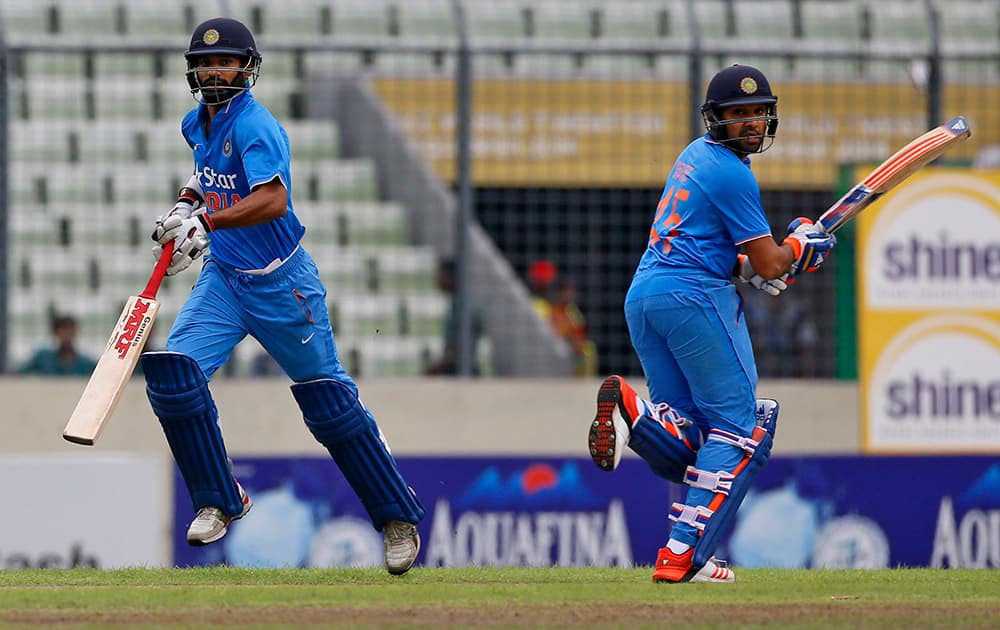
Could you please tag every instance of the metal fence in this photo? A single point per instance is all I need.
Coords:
(496, 135)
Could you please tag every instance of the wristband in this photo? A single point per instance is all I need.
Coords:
(206, 222)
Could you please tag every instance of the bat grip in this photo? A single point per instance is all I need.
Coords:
(159, 271)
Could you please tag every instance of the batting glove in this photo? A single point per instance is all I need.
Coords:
(809, 243)
(190, 237)
(749, 276)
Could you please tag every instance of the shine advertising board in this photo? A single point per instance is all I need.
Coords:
(929, 315)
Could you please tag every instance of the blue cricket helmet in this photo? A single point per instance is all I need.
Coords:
(222, 36)
(738, 85)
(219, 36)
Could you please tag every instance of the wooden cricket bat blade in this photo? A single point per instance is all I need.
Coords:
(113, 371)
(920, 152)
(117, 363)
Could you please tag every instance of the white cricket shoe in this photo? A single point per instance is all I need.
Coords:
(402, 544)
(677, 567)
(715, 570)
(211, 523)
(617, 410)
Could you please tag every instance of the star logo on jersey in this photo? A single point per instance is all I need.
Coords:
(748, 85)
(227, 148)
(211, 37)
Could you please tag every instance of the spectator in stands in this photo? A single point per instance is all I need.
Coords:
(554, 299)
(62, 358)
(568, 322)
(542, 276)
(447, 363)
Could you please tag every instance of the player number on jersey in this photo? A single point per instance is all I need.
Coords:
(665, 225)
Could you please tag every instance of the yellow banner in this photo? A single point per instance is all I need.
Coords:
(627, 133)
(929, 314)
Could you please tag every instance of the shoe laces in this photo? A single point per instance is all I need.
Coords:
(399, 531)
(722, 564)
(209, 513)
(664, 410)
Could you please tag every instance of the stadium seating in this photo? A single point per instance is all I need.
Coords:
(87, 126)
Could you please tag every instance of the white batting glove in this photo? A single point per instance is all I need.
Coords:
(184, 208)
(190, 237)
(749, 276)
(809, 243)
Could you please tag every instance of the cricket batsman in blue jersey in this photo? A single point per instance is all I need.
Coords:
(256, 280)
(703, 425)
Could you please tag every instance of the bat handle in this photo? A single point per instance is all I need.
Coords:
(159, 271)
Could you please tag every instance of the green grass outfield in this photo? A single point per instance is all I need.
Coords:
(557, 597)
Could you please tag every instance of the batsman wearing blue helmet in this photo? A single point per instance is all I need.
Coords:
(703, 425)
(256, 280)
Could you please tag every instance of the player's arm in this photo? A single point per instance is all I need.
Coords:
(803, 249)
(767, 258)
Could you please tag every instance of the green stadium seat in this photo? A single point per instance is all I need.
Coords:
(39, 141)
(360, 19)
(54, 269)
(282, 65)
(125, 97)
(25, 22)
(410, 269)
(345, 63)
(825, 70)
(428, 21)
(556, 22)
(124, 67)
(341, 180)
(313, 139)
(831, 25)
(645, 22)
(55, 98)
(99, 184)
(298, 20)
(423, 314)
(496, 22)
(714, 21)
(638, 66)
(164, 142)
(122, 227)
(35, 229)
(40, 65)
(764, 24)
(898, 26)
(166, 21)
(388, 356)
(342, 269)
(354, 223)
(969, 26)
(363, 315)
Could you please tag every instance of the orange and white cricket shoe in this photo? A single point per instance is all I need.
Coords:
(617, 411)
(211, 523)
(675, 568)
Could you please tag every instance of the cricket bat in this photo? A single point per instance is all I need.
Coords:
(116, 365)
(903, 163)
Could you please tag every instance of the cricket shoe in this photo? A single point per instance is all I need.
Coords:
(402, 544)
(617, 411)
(211, 523)
(677, 567)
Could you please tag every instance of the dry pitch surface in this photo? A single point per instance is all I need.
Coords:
(454, 598)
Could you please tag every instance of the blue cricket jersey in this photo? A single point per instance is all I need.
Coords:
(246, 146)
(696, 236)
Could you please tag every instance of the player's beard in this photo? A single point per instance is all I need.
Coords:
(219, 92)
(751, 143)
